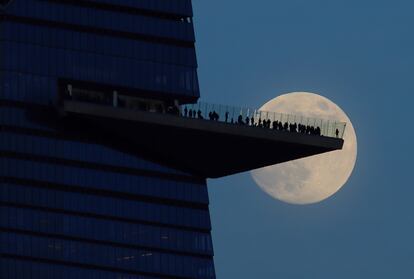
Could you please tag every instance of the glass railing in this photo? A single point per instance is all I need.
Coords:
(264, 119)
(221, 113)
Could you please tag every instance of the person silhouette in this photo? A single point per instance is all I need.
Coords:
(226, 116)
(337, 133)
(185, 112)
(216, 116)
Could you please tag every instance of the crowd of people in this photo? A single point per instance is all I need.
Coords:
(86, 96)
(261, 123)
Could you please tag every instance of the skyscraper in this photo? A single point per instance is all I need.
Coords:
(72, 204)
(102, 171)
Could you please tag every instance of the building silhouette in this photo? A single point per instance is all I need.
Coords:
(71, 205)
(100, 177)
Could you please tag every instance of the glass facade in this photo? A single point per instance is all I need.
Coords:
(72, 206)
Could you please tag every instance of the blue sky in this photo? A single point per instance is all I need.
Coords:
(360, 54)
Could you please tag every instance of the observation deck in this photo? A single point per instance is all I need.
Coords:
(223, 145)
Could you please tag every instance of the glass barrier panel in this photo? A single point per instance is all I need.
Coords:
(272, 120)
(214, 112)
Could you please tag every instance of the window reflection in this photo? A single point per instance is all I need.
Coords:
(106, 230)
(106, 256)
(57, 53)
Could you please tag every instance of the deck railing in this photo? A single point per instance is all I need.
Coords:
(227, 114)
(256, 118)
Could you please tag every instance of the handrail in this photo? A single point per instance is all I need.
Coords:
(264, 119)
(226, 114)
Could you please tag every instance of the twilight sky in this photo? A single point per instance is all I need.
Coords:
(359, 54)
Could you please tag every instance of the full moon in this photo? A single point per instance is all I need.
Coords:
(316, 178)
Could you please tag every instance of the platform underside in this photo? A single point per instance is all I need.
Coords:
(201, 147)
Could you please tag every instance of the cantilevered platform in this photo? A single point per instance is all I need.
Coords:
(204, 148)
